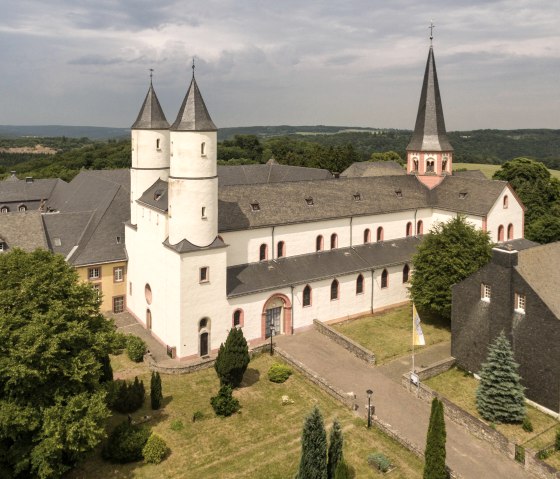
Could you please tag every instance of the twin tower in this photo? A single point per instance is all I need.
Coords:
(184, 156)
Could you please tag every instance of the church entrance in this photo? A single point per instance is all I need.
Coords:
(273, 316)
(277, 313)
(204, 344)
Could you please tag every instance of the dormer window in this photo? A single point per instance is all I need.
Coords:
(463, 195)
(5, 209)
(57, 242)
(158, 147)
(22, 208)
(357, 196)
(157, 194)
(203, 149)
(398, 193)
(309, 201)
(2, 246)
(255, 206)
(118, 240)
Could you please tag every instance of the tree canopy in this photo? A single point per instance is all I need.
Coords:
(449, 253)
(53, 341)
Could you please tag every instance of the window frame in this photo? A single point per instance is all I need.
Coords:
(510, 232)
(238, 312)
(384, 279)
(334, 241)
(91, 276)
(520, 304)
(380, 233)
(360, 284)
(263, 252)
(485, 292)
(335, 288)
(281, 249)
(367, 236)
(204, 274)
(307, 294)
(500, 233)
(114, 304)
(419, 228)
(116, 269)
(319, 243)
(505, 202)
(409, 229)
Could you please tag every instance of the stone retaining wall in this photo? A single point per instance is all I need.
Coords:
(481, 430)
(436, 368)
(356, 349)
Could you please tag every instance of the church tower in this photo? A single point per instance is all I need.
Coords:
(150, 149)
(429, 155)
(193, 176)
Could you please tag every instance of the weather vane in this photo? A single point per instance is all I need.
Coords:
(431, 27)
(193, 66)
(151, 74)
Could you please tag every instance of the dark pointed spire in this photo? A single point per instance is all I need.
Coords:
(193, 115)
(151, 116)
(429, 132)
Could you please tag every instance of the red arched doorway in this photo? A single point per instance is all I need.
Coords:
(277, 311)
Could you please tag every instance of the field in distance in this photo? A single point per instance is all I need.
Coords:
(489, 170)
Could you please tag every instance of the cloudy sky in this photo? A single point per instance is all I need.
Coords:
(297, 62)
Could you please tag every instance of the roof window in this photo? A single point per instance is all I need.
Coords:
(29, 179)
(357, 196)
(57, 242)
(255, 206)
(158, 194)
(309, 201)
(463, 195)
(398, 193)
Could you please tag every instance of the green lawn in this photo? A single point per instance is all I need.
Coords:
(460, 388)
(262, 441)
(489, 170)
(389, 334)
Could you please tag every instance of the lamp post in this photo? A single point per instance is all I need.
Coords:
(271, 334)
(369, 393)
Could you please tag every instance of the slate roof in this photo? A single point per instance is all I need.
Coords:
(23, 230)
(270, 275)
(91, 215)
(516, 244)
(470, 174)
(185, 246)
(540, 267)
(21, 190)
(272, 172)
(373, 168)
(151, 116)
(429, 131)
(193, 115)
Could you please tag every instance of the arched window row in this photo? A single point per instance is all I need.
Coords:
(319, 243)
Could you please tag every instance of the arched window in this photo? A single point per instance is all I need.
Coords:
(444, 165)
(384, 279)
(263, 252)
(319, 243)
(334, 241)
(22, 208)
(420, 228)
(334, 290)
(157, 144)
(359, 284)
(510, 231)
(380, 233)
(501, 233)
(409, 229)
(415, 164)
(367, 236)
(203, 148)
(238, 318)
(203, 323)
(280, 250)
(405, 273)
(307, 296)
(506, 201)
(430, 166)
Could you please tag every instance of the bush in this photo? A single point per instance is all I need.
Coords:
(197, 416)
(155, 450)
(135, 348)
(177, 425)
(278, 373)
(544, 454)
(557, 443)
(125, 397)
(342, 470)
(125, 443)
(379, 461)
(224, 404)
(120, 342)
(527, 424)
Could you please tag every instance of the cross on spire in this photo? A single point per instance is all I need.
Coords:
(193, 67)
(151, 75)
(431, 27)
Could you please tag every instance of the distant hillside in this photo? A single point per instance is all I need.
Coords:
(91, 132)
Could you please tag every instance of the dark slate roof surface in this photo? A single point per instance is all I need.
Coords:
(373, 168)
(21, 190)
(186, 246)
(517, 244)
(269, 275)
(471, 174)
(151, 116)
(193, 114)
(23, 230)
(429, 131)
(272, 172)
(156, 196)
(65, 229)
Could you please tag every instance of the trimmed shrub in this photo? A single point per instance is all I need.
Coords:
(155, 450)
(125, 443)
(279, 373)
(557, 443)
(125, 397)
(342, 470)
(434, 455)
(120, 342)
(313, 462)
(527, 424)
(380, 461)
(156, 394)
(135, 348)
(224, 404)
(197, 416)
(334, 453)
(233, 359)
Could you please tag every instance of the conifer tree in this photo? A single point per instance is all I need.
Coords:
(434, 456)
(156, 394)
(233, 358)
(106, 369)
(334, 455)
(313, 463)
(500, 397)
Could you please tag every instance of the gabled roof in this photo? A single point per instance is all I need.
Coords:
(151, 116)
(22, 190)
(193, 115)
(23, 230)
(540, 267)
(272, 172)
(429, 131)
(373, 168)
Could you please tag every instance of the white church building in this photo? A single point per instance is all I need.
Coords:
(205, 256)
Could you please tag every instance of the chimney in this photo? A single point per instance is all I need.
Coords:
(505, 257)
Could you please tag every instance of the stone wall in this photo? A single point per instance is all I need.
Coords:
(435, 368)
(357, 350)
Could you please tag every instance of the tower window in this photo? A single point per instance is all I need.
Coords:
(334, 290)
(415, 164)
(319, 243)
(430, 166)
(380, 233)
(307, 296)
(384, 279)
(158, 146)
(203, 149)
(263, 252)
(360, 284)
(203, 212)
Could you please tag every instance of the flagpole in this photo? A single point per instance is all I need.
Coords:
(413, 336)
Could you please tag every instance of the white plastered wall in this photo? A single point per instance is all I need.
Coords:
(499, 215)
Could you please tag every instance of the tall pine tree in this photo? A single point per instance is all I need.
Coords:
(500, 397)
(334, 455)
(434, 456)
(233, 359)
(313, 463)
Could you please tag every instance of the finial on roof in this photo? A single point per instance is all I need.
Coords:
(193, 67)
(151, 75)
(431, 27)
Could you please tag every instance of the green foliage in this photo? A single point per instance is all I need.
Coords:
(224, 404)
(334, 453)
(233, 358)
(106, 369)
(155, 450)
(125, 443)
(342, 470)
(313, 463)
(177, 425)
(156, 394)
(434, 456)
(52, 342)
(135, 348)
(279, 373)
(379, 461)
(539, 192)
(127, 397)
(544, 454)
(557, 442)
(527, 424)
(197, 416)
(449, 253)
(387, 156)
(499, 397)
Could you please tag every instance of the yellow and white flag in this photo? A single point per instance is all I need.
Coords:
(417, 334)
